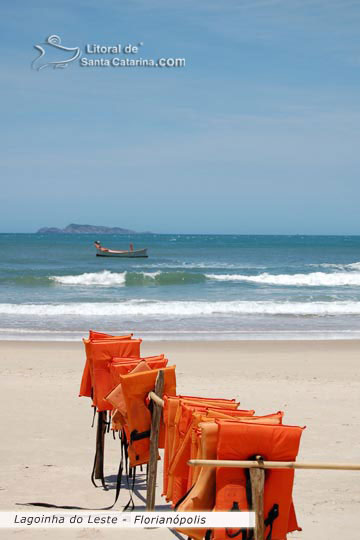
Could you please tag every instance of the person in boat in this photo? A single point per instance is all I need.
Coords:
(99, 247)
(131, 247)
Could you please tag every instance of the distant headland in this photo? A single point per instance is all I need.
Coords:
(75, 228)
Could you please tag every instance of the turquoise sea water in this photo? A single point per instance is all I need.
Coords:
(200, 286)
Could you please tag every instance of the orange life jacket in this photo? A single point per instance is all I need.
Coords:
(201, 496)
(136, 387)
(86, 385)
(243, 441)
(183, 414)
(118, 422)
(179, 467)
(212, 401)
(171, 406)
(100, 335)
(117, 400)
(190, 416)
(122, 366)
(101, 353)
(211, 416)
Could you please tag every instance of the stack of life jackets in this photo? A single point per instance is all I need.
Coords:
(118, 380)
(201, 428)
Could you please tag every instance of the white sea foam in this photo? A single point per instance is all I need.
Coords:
(151, 275)
(314, 279)
(144, 308)
(164, 335)
(104, 279)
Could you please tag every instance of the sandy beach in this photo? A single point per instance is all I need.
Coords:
(47, 443)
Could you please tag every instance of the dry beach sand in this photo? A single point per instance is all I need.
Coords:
(47, 444)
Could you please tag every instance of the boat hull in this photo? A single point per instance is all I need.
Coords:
(138, 253)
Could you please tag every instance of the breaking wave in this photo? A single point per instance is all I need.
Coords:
(110, 279)
(104, 278)
(170, 309)
(345, 275)
(314, 279)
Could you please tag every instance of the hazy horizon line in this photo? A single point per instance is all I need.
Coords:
(180, 234)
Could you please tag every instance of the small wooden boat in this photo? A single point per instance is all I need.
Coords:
(132, 253)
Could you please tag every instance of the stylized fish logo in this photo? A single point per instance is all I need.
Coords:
(51, 43)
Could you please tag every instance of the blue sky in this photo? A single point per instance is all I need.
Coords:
(259, 133)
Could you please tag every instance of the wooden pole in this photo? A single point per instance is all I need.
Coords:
(273, 465)
(257, 477)
(154, 444)
(100, 443)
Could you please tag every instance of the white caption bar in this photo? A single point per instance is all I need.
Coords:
(55, 520)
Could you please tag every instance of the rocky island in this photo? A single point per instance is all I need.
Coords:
(75, 228)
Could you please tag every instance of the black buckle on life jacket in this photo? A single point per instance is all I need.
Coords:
(272, 515)
(136, 436)
(242, 531)
(249, 534)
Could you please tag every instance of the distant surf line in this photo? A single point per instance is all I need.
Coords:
(173, 309)
(107, 278)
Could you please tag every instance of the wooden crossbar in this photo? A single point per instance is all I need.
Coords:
(273, 465)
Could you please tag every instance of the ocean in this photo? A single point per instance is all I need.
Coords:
(53, 287)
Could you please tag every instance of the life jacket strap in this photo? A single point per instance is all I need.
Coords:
(136, 436)
(93, 420)
(182, 498)
(107, 422)
(128, 472)
(130, 504)
(249, 535)
(272, 515)
(99, 451)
